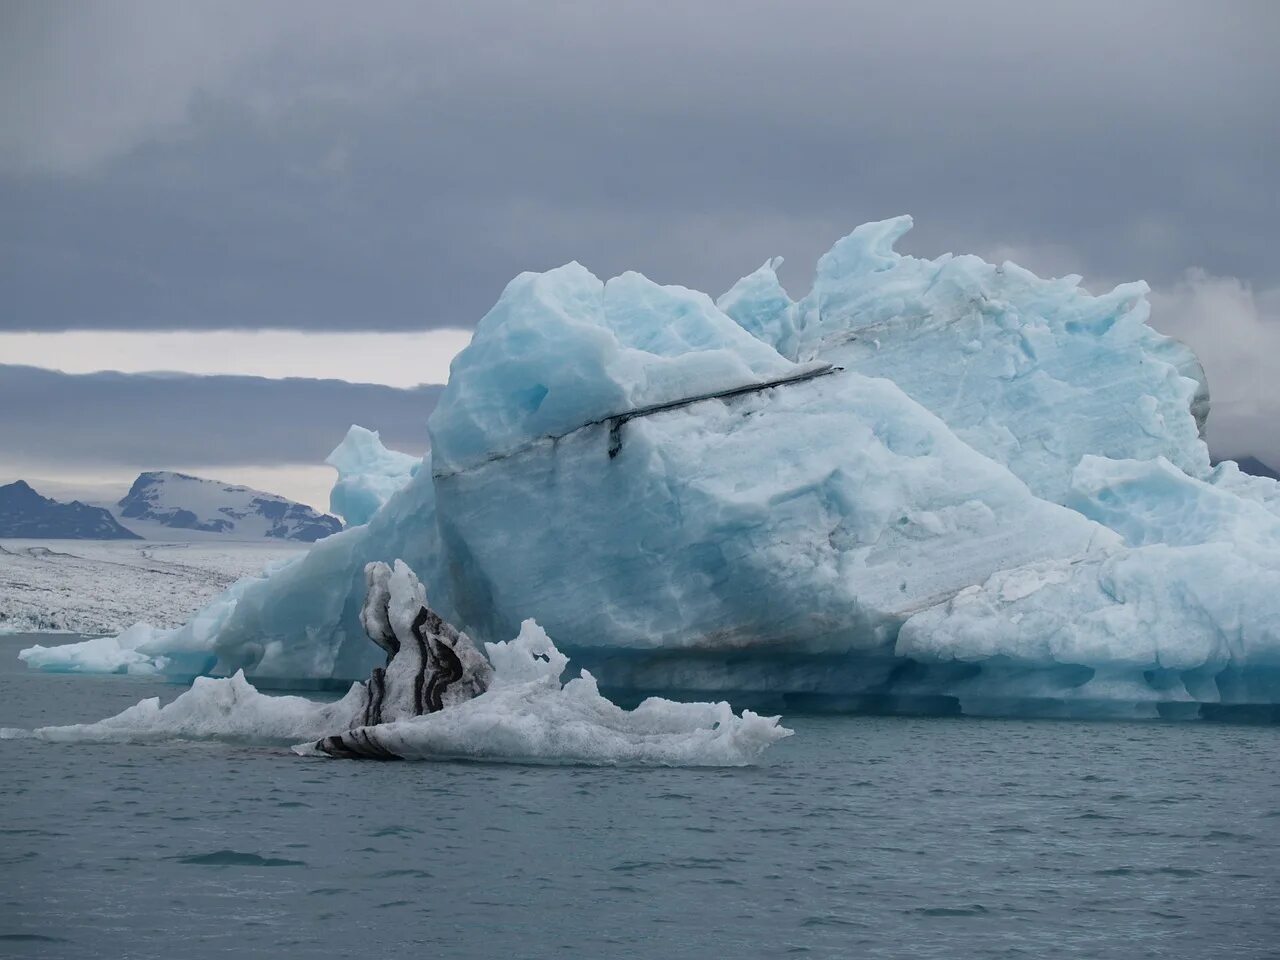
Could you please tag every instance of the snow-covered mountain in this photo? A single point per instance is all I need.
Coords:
(24, 513)
(182, 502)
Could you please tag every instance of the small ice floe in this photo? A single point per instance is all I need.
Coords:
(438, 697)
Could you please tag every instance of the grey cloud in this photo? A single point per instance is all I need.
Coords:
(239, 165)
(1235, 330)
(146, 421)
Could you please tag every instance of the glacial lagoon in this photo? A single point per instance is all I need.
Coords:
(859, 836)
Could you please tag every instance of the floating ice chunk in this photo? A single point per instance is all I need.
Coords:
(118, 654)
(368, 475)
(228, 708)
(528, 716)
(430, 665)
(438, 698)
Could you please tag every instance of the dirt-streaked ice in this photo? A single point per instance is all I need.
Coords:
(509, 707)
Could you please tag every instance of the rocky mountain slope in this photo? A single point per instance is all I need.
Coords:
(183, 502)
(25, 513)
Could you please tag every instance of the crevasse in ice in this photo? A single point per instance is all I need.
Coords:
(928, 484)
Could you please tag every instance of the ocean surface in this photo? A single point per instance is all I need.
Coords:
(861, 837)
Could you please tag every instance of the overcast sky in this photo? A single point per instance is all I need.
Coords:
(387, 167)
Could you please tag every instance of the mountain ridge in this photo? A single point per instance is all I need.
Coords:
(181, 501)
(25, 514)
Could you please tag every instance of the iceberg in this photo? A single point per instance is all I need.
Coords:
(928, 485)
(766, 503)
(439, 698)
(527, 715)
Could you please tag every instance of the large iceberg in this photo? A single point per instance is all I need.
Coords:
(926, 485)
(727, 499)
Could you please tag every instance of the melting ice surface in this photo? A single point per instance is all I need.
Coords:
(928, 485)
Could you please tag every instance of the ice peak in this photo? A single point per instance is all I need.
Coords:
(368, 474)
(563, 348)
(868, 248)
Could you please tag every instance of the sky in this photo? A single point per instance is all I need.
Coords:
(288, 201)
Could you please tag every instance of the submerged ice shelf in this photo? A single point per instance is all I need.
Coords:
(926, 485)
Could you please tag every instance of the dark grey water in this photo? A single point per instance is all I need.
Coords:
(864, 837)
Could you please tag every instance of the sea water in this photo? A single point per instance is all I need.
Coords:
(860, 837)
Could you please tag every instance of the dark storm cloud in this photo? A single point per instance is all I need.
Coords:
(104, 420)
(198, 166)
